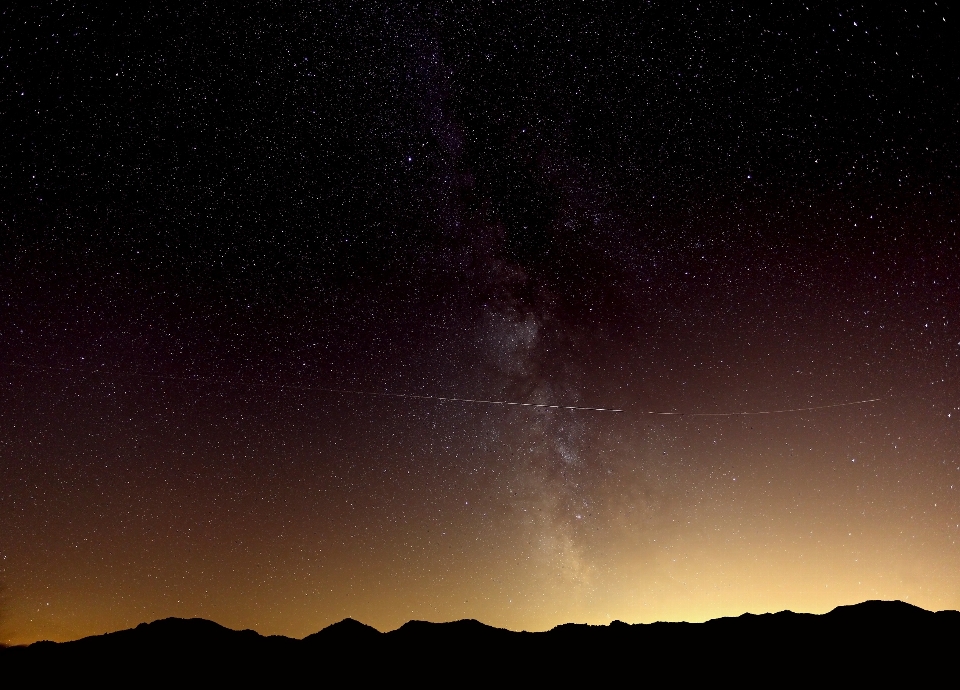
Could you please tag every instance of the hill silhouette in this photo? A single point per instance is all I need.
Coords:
(874, 639)
(347, 631)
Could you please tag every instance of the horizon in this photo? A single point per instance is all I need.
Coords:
(513, 313)
(474, 620)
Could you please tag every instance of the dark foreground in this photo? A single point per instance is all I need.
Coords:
(876, 640)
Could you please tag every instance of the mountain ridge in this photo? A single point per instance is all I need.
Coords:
(351, 627)
(873, 636)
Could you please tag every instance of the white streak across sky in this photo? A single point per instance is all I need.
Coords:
(474, 401)
(602, 409)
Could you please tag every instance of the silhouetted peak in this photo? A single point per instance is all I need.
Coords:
(183, 624)
(463, 624)
(346, 630)
(877, 610)
(466, 629)
(574, 627)
(185, 632)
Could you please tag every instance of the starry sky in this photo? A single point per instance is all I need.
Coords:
(235, 240)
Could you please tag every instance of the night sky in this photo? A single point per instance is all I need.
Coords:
(224, 229)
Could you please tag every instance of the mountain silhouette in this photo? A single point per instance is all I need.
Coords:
(346, 631)
(879, 640)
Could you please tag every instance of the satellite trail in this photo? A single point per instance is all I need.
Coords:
(741, 414)
(597, 409)
(442, 398)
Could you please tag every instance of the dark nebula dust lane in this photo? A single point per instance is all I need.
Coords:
(519, 313)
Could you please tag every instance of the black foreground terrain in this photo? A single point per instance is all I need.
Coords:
(880, 641)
